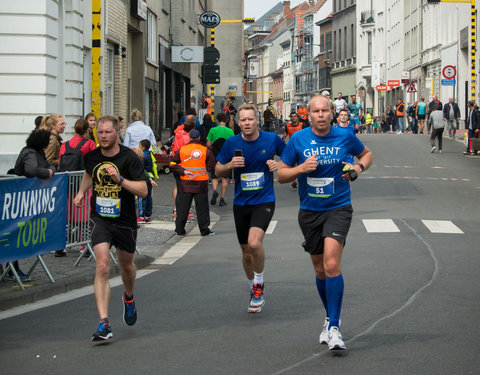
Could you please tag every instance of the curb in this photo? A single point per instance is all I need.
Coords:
(62, 285)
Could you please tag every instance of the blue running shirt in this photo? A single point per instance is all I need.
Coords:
(353, 130)
(253, 183)
(323, 189)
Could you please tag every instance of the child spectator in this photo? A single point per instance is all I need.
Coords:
(148, 166)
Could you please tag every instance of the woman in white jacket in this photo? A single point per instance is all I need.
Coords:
(137, 131)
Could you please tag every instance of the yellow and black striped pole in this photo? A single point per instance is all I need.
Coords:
(473, 49)
(96, 57)
(271, 100)
(212, 86)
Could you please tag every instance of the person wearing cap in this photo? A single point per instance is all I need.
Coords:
(193, 162)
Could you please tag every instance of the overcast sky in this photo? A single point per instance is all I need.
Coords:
(257, 8)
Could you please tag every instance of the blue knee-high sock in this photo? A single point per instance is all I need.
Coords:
(322, 290)
(334, 291)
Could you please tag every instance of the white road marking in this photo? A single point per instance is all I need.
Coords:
(64, 297)
(380, 226)
(271, 227)
(169, 257)
(441, 226)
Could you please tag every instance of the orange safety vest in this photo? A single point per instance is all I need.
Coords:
(400, 112)
(209, 105)
(293, 129)
(193, 158)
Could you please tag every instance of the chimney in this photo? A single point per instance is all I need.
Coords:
(286, 7)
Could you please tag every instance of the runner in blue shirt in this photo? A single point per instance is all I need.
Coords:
(317, 157)
(343, 117)
(356, 112)
(250, 155)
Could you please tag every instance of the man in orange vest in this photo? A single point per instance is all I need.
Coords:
(400, 113)
(193, 162)
(208, 104)
(293, 126)
(302, 114)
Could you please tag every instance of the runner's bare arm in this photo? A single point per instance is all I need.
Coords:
(222, 170)
(84, 186)
(286, 173)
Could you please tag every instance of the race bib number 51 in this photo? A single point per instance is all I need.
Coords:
(320, 187)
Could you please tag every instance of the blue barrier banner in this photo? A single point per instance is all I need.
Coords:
(33, 216)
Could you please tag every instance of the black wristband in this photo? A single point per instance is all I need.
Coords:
(353, 175)
(121, 181)
(361, 166)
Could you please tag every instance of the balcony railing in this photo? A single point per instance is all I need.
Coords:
(367, 17)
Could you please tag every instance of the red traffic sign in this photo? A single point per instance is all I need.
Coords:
(382, 87)
(412, 88)
(449, 72)
(393, 82)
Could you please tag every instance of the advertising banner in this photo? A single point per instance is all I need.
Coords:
(33, 216)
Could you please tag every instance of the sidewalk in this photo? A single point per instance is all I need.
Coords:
(151, 243)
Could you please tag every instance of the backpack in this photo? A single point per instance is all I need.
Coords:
(217, 146)
(72, 159)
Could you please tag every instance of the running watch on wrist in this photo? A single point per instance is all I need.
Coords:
(361, 166)
(121, 181)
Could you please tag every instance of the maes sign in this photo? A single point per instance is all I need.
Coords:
(209, 19)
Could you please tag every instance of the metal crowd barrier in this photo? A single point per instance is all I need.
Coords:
(78, 227)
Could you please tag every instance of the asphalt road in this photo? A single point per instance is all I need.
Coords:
(411, 302)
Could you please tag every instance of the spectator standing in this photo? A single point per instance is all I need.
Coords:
(38, 121)
(205, 128)
(31, 162)
(55, 124)
(412, 117)
(451, 114)
(92, 131)
(339, 103)
(267, 119)
(147, 203)
(303, 114)
(473, 126)
(400, 114)
(193, 161)
(432, 106)
(81, 129)
(390, 118)
(137, 131)
(437, 124)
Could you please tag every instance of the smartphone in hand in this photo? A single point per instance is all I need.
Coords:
(238, 153)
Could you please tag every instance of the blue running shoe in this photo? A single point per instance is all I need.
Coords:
(129, 311)
(257, 296)
(104, 331)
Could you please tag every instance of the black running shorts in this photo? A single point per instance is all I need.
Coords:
(246, 217)
(123, 238)
(316, 225)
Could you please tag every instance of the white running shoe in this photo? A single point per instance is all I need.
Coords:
(433, 149)
(335, 341)
(324, 337)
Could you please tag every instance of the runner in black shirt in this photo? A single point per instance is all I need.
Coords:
(116, 174)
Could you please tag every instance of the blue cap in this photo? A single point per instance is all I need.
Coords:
(194, 134)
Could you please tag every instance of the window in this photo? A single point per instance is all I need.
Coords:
(322, 42)
(345, 42)
(335, 53)
(110, 79)
(340, 56)
(369, 47)
(151, 37)
(352, 33)
(328, 40)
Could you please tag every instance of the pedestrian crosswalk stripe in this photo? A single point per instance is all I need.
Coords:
(441, 226)
(271, 227)
(380, 226)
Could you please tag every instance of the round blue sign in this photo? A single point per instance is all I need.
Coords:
(209, 19)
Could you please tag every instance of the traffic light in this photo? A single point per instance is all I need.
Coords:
(210, 74)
